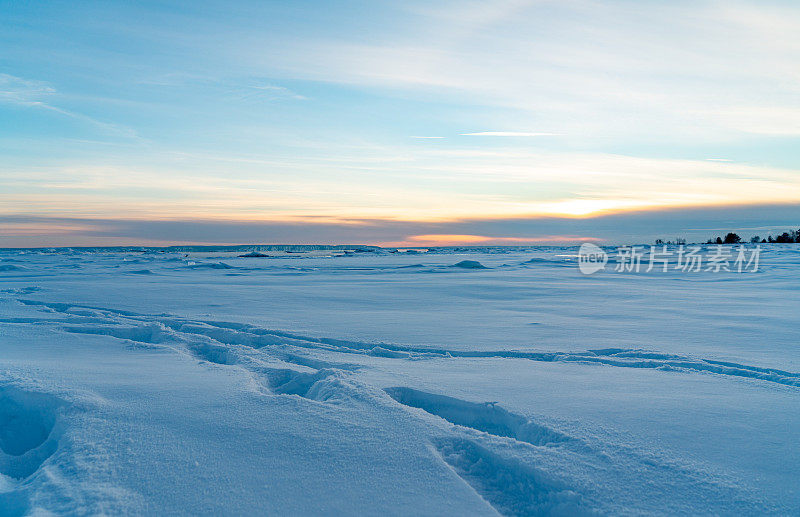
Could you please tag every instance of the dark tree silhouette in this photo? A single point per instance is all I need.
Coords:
(732, 238)
(792, 236)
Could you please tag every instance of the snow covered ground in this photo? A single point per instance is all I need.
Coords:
(375, 383)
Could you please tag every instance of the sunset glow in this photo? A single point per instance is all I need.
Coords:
(427, 117)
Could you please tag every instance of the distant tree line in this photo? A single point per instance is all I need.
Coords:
(732, 238)
(659, 242)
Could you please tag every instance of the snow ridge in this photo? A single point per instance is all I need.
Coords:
(243, 334)
(488, 417)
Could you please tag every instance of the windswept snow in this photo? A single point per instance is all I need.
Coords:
(488, 417)
(360, 381)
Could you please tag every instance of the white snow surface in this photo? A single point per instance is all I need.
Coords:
(361, 382)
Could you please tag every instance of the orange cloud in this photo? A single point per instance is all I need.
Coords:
(441, 239)
(18, 229)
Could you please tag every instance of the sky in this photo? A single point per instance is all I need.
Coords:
(397, 123)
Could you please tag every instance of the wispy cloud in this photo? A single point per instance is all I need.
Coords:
(722, 68)
(428, 137)
(23, 92)
(510, 133)
(267, 92)
(228, 87)
(36, 94)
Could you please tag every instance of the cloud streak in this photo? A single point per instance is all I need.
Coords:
(510, 133)
(27, 93)
(401, 183)
(625, 228)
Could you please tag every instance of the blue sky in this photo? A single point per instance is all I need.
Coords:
(480, 122)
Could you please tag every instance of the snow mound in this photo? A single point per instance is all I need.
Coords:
(254, 254)
(22, 290)
(325, 385)
(214, 353)
(211, 265)
(469, 264)
(539, 261)
(11, 267)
